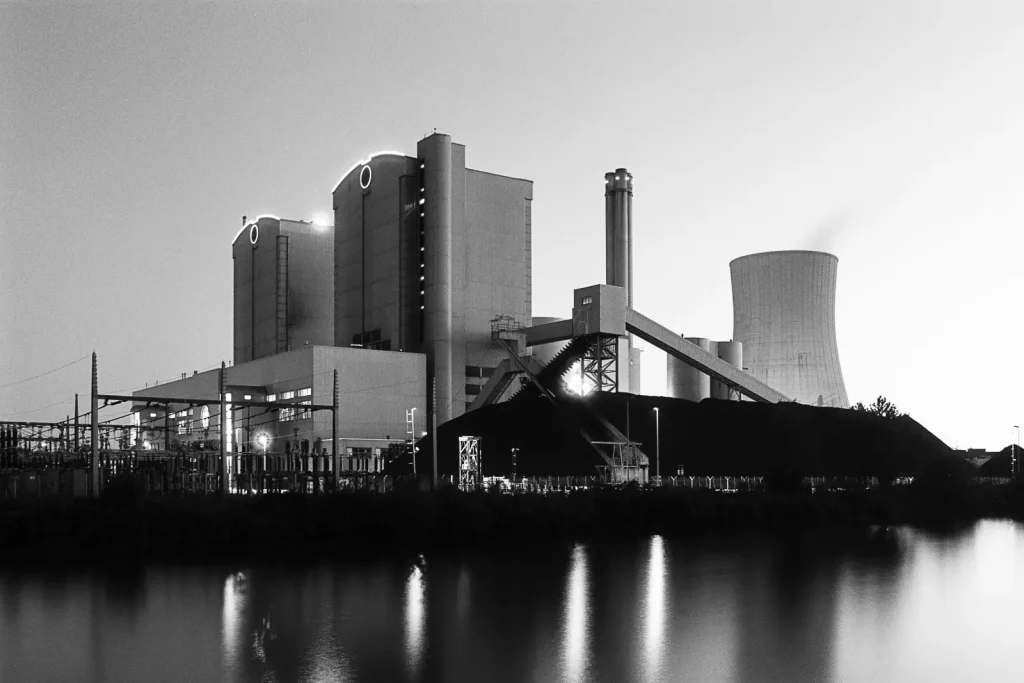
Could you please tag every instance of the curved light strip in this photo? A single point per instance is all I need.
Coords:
(255, 220)
(363, 162)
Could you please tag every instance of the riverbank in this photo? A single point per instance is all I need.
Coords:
(122, 526)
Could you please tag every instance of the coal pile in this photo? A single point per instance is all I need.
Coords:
(999, 465)
(713, 437)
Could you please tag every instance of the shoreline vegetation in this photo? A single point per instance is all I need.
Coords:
(125, 526)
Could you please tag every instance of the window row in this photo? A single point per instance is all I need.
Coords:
(288, 395)
(289, 414)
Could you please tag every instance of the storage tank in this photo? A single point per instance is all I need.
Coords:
(686, 381)
(543, 353)
(784, 316)
(732, 353)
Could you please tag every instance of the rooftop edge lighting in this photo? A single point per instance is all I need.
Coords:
(252, 222)
(363, 162)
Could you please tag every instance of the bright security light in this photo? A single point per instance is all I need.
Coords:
(323, 219)
(263, 440)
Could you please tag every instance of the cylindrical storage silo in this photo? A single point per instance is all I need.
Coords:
(543, 353)
(732, 353)
(784, 314)
(686, 381)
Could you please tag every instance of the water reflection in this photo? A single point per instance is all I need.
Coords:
(750, 608)
(415, 590)
(232, 616)
(575, 627)
(654, 608)
(787, 615)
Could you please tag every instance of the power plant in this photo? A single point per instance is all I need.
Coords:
(356, 344)
(429, 260)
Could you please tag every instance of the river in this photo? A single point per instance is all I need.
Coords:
(906, 606)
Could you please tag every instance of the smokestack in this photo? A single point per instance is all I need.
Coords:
(618, 231)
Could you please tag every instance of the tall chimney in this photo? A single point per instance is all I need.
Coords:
(618, 231)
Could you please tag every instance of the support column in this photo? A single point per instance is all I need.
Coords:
(334, 431)
(95, 429)
(223, 431)
(76, 422)
(433, 433)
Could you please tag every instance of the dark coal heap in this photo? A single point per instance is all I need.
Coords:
(713, 437)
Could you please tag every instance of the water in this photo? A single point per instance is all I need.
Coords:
(923, 608)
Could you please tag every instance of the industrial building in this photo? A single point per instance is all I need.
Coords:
(377, 393)
(427, 253)
(398, 297)
(283, 287)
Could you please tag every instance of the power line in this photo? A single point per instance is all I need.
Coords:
(43, 374)
(36, 410)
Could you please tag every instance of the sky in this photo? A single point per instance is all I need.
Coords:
(134, 137)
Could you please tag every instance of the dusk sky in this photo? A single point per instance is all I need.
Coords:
(134, 137)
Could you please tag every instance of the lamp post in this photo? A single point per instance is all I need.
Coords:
(657, 445)
(1013, 459)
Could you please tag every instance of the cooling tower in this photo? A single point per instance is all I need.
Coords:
(784, 315)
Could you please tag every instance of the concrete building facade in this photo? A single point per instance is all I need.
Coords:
(283, 287)
(376, 389)
(427, 253)
(784, 315)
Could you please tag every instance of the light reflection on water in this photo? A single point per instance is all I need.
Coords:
(575, 624)
(654, 607)
(906, 607)
(415, 607)
(233, 619)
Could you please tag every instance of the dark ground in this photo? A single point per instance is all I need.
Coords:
(123, 526)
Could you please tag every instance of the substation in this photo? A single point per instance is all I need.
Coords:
(406, 330)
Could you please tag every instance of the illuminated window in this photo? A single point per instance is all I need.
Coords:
(587, 300)
(272, 397)
(287, 395)
(152, 414)
(204, 417)
(305, 392)
(247, 397)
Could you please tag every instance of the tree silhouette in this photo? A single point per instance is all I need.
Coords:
(882, 407)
